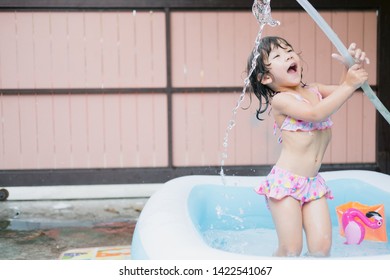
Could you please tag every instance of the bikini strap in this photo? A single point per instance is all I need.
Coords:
(280, 137)
(297, 96)
(316, 91)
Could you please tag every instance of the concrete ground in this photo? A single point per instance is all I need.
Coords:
(43, 222)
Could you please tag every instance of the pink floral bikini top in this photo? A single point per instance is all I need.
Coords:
(291, 124)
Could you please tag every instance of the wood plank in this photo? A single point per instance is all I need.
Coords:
(112, 133)
(129, 127)
(12, 146)
(42, 48)
(28, 132)
(110, 49)
(62, 130)
(59, 77)
(93, 50)
(8, 51)
(307, 47)
(80, 157)
(178, 45)
(77, 49)
(323, 63)
(144, 132)
(95, 125)
(158, 50)
(213, 50)
(370, 39)
(179, 133)
(355, 104)
(193, 46)
(26, 74)
(160, 130)
(368, 131)
(355, 128)
(45, 132)
(338, 147)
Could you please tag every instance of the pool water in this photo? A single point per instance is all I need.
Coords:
(263, 242)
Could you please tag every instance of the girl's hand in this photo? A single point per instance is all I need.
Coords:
(357, 54)
(356, 76)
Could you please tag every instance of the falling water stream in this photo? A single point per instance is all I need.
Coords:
(261, 9)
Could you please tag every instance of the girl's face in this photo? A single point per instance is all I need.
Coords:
(284, 69)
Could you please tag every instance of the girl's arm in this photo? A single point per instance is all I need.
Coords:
(286, 104)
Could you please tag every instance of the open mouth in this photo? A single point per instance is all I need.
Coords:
(293, 68)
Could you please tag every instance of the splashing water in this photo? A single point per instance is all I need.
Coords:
(261, 9)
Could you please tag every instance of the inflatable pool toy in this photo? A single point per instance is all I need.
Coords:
(360, 222)
(179, 221)
(355, 231)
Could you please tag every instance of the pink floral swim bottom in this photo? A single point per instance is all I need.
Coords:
(281, 183)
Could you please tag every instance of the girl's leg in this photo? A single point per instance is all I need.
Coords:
(318, 227)
(287, 217)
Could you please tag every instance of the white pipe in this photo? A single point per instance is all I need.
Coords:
(344, 52)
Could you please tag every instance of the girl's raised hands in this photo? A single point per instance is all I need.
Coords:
(357, 54)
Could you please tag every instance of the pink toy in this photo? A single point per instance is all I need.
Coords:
(353, 229)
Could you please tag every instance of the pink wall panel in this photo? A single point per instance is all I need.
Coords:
(82, 49)
(83, 131)
(151, 50)
(186, 64)
(198, 133)
(205, 54)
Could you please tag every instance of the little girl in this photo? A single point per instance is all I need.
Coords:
(295, 192)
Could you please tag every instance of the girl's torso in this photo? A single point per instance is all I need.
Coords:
(304, 143)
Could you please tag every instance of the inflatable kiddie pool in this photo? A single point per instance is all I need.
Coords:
(199, 217)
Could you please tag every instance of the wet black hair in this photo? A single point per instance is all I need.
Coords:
(263, 92)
